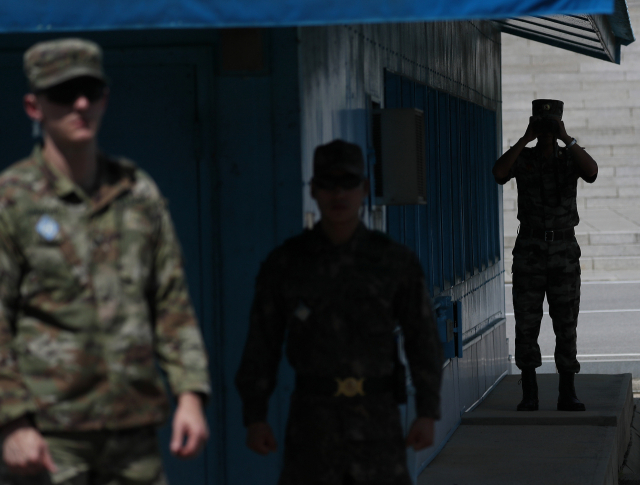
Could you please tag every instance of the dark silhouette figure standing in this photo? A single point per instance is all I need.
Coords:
(546, 256)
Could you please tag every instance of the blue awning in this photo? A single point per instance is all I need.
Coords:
(69, 15)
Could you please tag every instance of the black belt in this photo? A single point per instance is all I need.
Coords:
(346, 387)
(547, 235)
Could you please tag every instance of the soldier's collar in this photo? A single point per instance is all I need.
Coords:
(62, 185)
(352, 243)
(112, 178)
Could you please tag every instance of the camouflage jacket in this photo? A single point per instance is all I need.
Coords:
(92, 291)
(339, 306)
(547, 189)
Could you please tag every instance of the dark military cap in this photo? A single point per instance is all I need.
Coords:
(338, 155)
(548, 108)
(56, 61)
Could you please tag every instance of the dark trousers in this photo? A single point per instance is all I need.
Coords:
(553, 269)
(344, 441)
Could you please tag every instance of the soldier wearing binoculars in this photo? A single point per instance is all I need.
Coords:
(546, 254)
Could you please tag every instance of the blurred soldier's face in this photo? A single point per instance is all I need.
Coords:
(71, 112)
(339, 197)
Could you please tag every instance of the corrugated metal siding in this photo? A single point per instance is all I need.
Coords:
(342, 69)
(340, 66)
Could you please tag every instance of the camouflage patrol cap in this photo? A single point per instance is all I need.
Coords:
(547, 108)
(338, 155)
(56, 61)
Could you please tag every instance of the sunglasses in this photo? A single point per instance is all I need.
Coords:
(346, 182)
(68, 92)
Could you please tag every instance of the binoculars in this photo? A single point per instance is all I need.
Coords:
(546, 125)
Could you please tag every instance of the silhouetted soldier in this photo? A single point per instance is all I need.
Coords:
(546, 254)
(337, 292)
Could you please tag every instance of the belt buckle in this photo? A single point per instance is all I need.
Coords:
(349, 387)
(546, 234)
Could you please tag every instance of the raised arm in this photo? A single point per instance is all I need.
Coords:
(587, 166)
(503, 165)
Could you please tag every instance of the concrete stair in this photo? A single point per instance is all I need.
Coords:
(496, 445)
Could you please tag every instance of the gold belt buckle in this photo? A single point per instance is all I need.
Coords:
(350, 387)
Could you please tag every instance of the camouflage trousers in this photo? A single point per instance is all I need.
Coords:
(126, 457)
(344, 441)
(551, 268)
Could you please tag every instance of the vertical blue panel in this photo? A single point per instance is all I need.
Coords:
(435, 216)
(259, 184)
(496, 192)
(408, 93)
(410, 227)
(426, 246)
(393, 99)
(395, 222)
(466, 177)
(444, 160)
(392, 90)
(287, 173)
(482, 187)
(408, 100)
(474, 161)
(456, 190)
(490, 187)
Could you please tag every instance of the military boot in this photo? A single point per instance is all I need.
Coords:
(529, 391)
(567, 400)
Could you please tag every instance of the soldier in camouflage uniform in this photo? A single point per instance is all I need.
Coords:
(92, 290)
(337, 292)
(546, 254)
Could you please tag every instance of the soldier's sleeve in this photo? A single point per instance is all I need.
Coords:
(421, 342)
(577, 172)
(256, 377)
(179, 344)
(15, 398)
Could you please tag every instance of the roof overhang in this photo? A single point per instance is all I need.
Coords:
(20, 16)
(598, 36)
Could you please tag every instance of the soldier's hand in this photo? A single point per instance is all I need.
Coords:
(25, 451)
(189, 431)
(562, 132)
(421, 433)
(531, 134)
(260, 438)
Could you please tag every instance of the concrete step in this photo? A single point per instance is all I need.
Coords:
(613, 238)
(610, 250)
(590, 192)
(595, 197)
(611, 264)
(620, 263)
(630, 471)
(495, 444)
